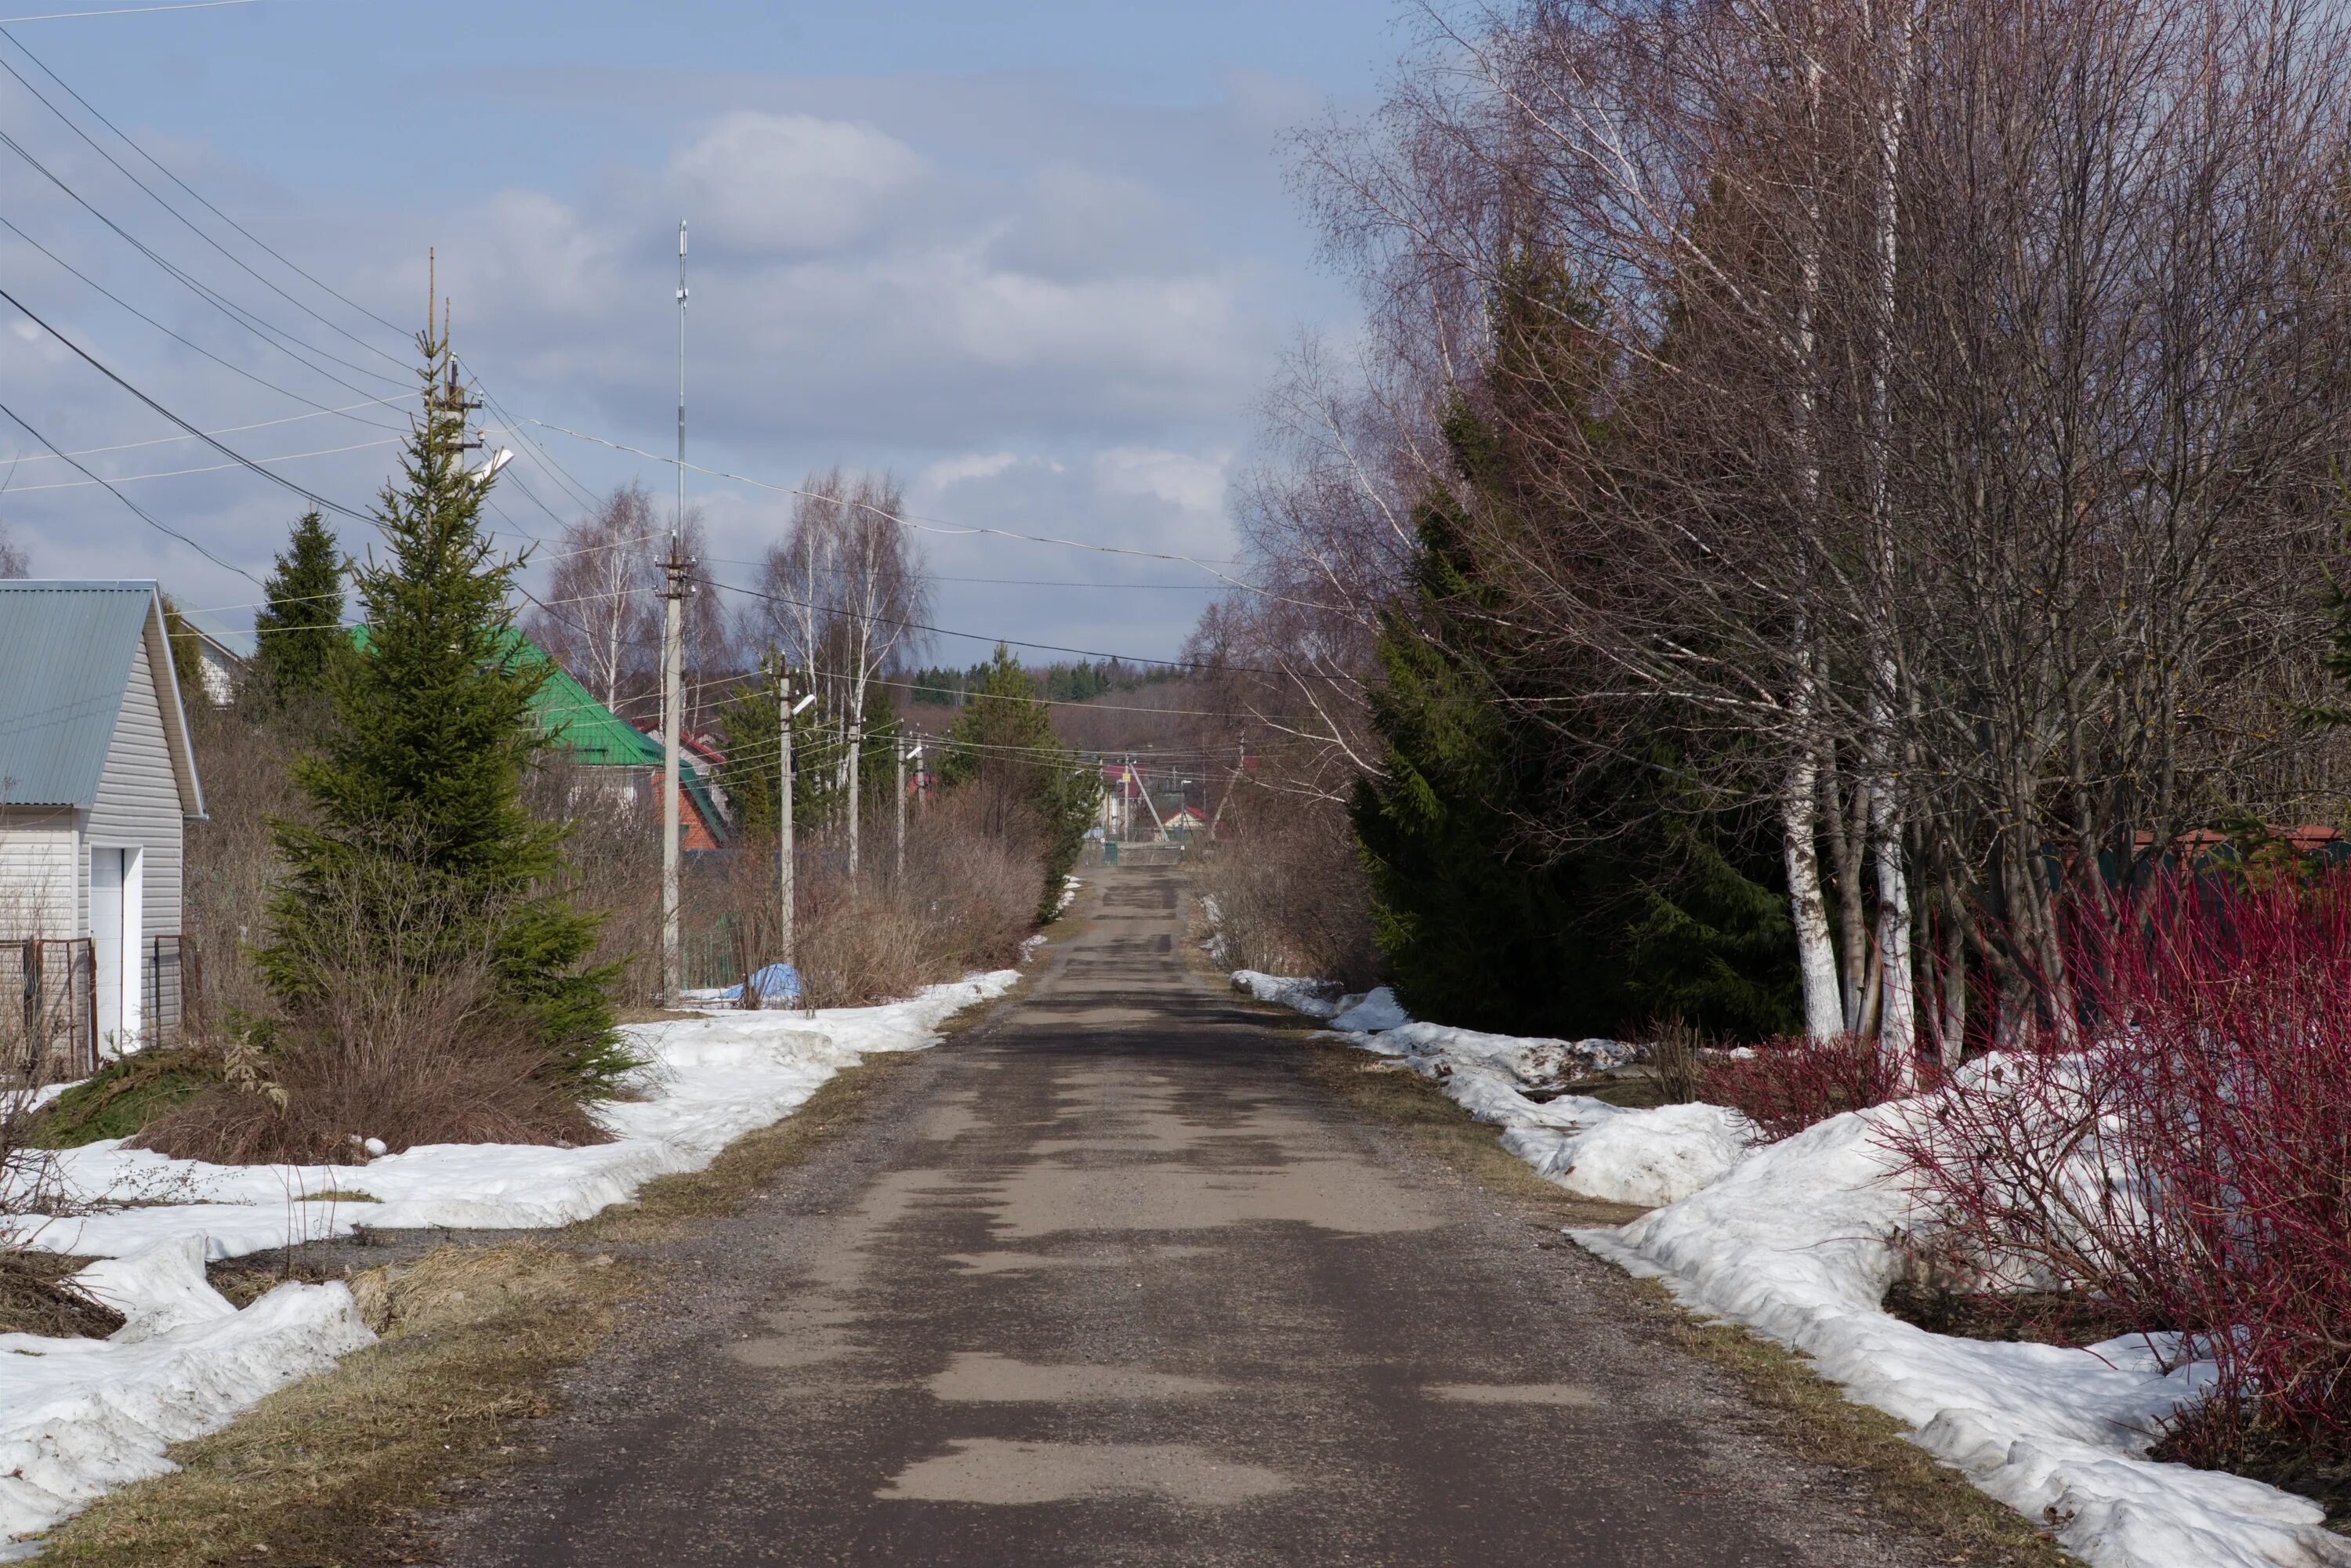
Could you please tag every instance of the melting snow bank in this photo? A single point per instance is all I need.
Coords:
(79, 1416)
(1586, 1146)
(1792, 1243)
(708, 1080)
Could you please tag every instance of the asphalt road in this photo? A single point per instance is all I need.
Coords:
(1110, 1279)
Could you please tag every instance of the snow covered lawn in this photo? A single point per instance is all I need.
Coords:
(1791, 1240)
(79, 1415)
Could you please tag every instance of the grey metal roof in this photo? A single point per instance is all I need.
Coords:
(64, 662)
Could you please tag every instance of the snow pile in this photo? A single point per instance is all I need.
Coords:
(709, 1080)
(1586, 1146)
(1315, 999)
(1793, 1243)
(80, 1415)
(1794, 1240)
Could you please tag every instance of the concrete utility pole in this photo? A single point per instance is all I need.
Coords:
(784, 836)
(785, 711)
(856, 746)
(904, 753)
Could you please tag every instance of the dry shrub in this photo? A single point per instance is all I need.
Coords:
(1675, 1060)
(967, 899)
(231, 860)
(2185, 1157)
(1289, 889)
(39, 1297)
(1787, 1085)
(613, 863)
(408, 1039)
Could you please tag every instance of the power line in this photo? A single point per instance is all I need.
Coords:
(185, 342)
(1013, 642)
(185, 220)
(905, 519)
(127, 11)
(236, 313)
(141, 512)
(133, 144)
(208, 468)
(224, 430)
(211, 441)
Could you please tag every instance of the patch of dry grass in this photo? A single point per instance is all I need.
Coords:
(1912, 1490)
(327, 1470)
(36, 1299)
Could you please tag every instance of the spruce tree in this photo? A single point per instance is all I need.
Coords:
(1004, 739)
(187, 656)
(1661, 903)
(299, 630)
(420, 773)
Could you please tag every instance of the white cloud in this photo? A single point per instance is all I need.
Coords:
(791, 183)
(1194, 482)
(960, 470)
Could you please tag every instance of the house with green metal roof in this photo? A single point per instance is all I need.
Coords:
(593, 736)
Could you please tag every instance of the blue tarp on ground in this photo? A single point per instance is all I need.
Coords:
(775, 983)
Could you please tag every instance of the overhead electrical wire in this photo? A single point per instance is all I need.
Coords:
(267, 332)
(222, 430)
(208, 468)
(144, 515)
(127, 11)
(133, 144)
(186, 222)
(225, 364)
(902, 519)
(213, 442)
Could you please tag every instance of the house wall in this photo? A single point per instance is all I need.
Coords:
(138, 806)
(38, 890)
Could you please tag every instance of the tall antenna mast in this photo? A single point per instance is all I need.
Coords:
(674, 592)
(678, 530)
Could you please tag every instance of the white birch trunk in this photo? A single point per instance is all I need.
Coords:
(1897, 1013)
(1800, 792)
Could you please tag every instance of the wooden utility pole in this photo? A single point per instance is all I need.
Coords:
(672, 664)
(784, 835)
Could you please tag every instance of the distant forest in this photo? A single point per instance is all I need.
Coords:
(1068, 683)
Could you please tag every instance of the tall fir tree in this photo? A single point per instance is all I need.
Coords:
(1004, 737)
(298, 632)
(420, 771)
(187, 656)
(1656, 910)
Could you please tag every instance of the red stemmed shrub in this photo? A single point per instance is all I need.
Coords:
(1787, 1085)
(2183, 1155)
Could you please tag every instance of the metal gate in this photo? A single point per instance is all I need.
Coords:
(49, 1008)
(171, 987)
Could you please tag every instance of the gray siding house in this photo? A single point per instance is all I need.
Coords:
(97, 783)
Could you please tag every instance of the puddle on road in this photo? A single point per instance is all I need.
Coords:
(982, 1378)
(994, 1470)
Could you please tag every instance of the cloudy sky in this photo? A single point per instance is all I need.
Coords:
(1037, 256)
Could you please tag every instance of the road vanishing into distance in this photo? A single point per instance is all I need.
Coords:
(1112, 1278)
